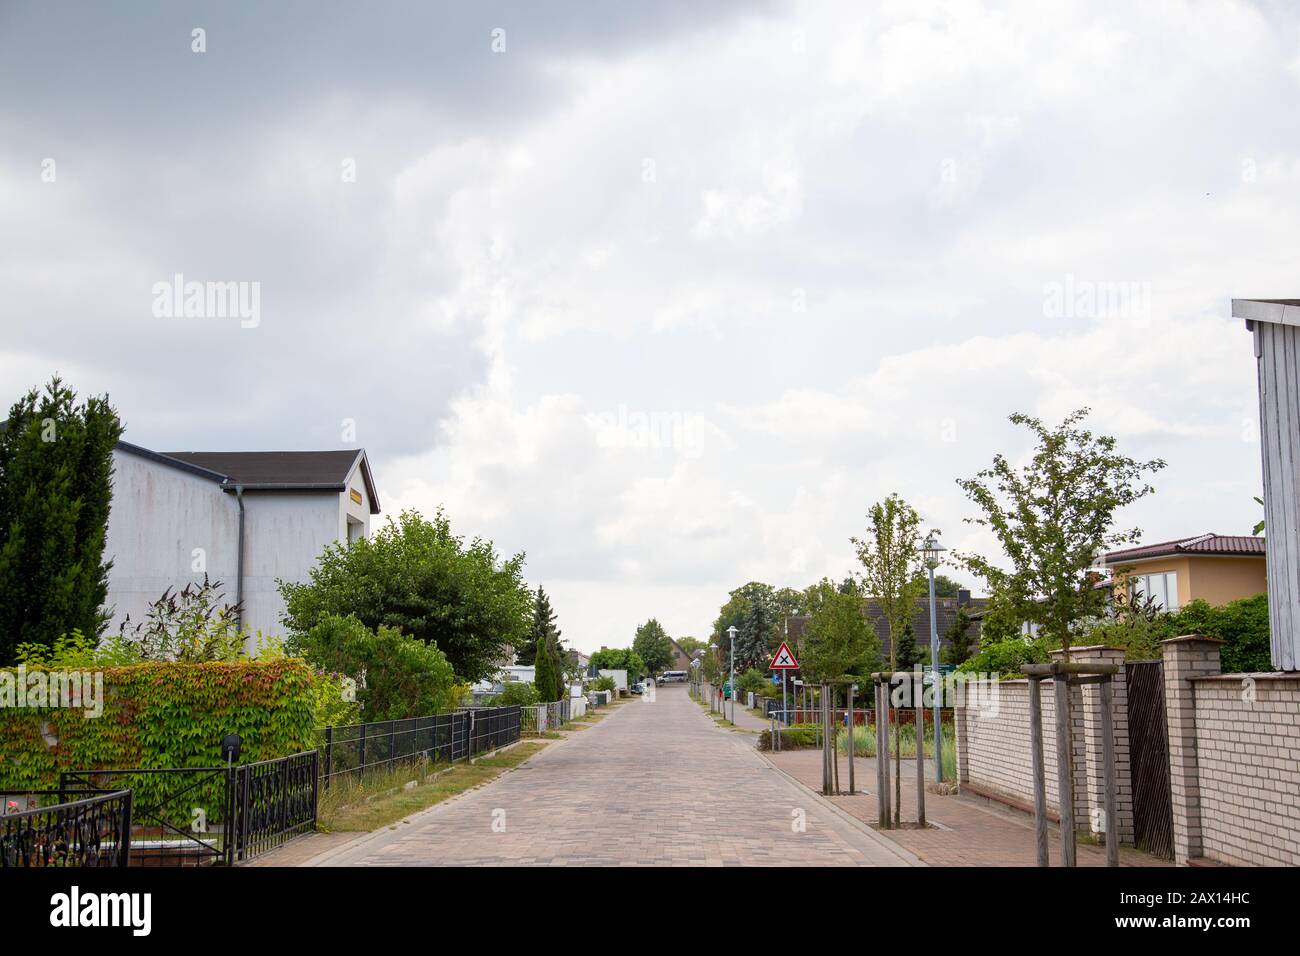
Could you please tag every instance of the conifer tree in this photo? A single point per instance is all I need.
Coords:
(547, 650)
(56, 469)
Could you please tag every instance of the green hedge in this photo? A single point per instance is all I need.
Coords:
(163, 714)
(1243, 627)
(792, 738)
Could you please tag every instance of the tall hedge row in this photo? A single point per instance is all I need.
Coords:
(163, 714)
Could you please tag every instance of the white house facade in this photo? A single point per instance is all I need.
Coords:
(243, 518)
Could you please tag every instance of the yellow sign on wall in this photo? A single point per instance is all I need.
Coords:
(354, 495)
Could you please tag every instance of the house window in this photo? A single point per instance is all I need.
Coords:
(1162, 587)
(356, 531)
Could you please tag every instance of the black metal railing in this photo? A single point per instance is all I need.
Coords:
(492, 727)
(357, 748)
(274, 801)
(206, 816)
(94, 831)
(179, 815)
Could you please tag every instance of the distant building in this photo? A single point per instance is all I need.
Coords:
(945, 608)
(617, 675)
(681, 660)
(1215, 568)
(245, 519)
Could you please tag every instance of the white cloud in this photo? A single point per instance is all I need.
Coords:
(670, 316)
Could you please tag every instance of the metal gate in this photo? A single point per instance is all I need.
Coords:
(1153, 818)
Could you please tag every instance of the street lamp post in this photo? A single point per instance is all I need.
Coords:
(731, 632)
(931, 549)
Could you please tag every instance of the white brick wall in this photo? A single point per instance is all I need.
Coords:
(996, 757)
(1234, 747)
(1248, 763)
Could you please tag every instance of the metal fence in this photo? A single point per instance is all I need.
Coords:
(178, 815)
(204, 816)
(862, 716)
(94, 831)
(539, 718)
(356, 748)
(274, 800)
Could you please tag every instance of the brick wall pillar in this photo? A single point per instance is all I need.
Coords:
(1093, 763)
(1186, 658)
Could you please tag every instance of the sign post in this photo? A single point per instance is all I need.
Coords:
(784, 661)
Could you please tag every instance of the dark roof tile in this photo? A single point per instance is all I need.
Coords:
(1200, 544)
(269, 470)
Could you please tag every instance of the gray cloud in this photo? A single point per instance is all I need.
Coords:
(838, 265)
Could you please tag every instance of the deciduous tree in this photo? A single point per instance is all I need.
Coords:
(838, 639)
(654, 646)
(1054, 517)
(416, 575)
(891, 562)
(397, 676)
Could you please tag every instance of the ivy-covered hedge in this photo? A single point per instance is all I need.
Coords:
(163, 714)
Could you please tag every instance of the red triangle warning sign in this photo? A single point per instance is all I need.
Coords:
(783, 660)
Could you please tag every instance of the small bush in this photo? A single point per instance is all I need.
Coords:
(1004, 657)
(517, 693)
(1242, 625)
(792, 738)
(192, 625)
(752, 681)
(397, 676)
(334, 700)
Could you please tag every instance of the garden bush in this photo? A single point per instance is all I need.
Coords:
(397, 676)
(1242, 625)
(792, 737)
(751, 681)
(334, 700)
(163, 714)
(516, 693)
(1004, 657)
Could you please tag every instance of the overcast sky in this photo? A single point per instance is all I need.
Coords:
(664, 295)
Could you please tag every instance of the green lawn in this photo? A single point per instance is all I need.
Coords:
(344, 806)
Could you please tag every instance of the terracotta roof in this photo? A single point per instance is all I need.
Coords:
(1210, 543)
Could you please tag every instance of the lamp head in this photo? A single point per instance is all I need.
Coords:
(230, 746)
(931, 549)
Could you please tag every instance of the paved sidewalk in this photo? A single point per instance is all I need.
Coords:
(653, 784)
(745, 720)
(970, 831)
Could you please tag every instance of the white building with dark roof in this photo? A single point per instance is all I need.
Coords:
(245, 519)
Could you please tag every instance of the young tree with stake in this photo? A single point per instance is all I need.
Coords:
(1054, 518)
(892, 574)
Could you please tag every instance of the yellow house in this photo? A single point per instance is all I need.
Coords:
(1213, 567)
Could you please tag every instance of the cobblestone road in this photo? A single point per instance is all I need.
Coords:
(652, 784)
